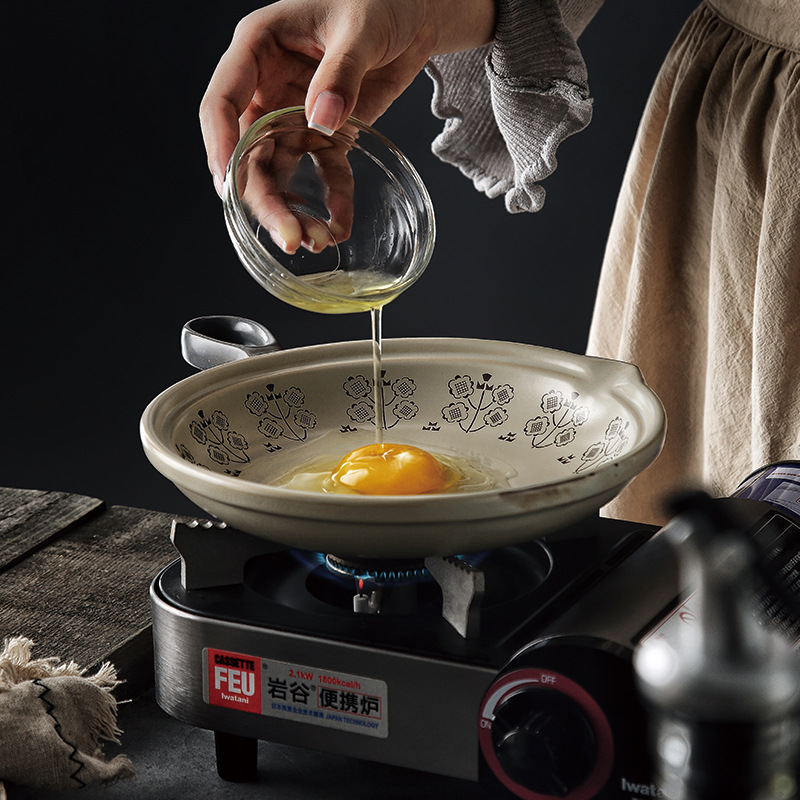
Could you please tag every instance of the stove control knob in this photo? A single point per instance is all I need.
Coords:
(544, 741)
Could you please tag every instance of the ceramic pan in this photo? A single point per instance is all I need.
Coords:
(568, 431)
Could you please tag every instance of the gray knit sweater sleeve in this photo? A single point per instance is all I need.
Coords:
(508, 105)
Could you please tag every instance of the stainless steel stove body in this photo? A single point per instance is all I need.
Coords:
(512, 667)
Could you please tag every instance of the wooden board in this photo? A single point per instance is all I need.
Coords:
(29, 518)
(77, 580)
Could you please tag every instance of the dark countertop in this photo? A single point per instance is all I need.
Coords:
(175, 761)
(62, 557)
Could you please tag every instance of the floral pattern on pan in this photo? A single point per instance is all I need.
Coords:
(477, 404)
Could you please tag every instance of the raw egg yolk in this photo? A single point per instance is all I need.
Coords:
(393, 469)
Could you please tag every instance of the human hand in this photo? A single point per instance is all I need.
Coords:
(334, 57)
(334, 224)
(297, 184)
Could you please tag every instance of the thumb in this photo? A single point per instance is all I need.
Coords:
(334, 89)
(327, 111)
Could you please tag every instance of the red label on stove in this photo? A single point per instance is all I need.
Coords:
(234, 680)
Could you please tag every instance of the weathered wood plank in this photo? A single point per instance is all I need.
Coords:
(85, 596)
(29, 518)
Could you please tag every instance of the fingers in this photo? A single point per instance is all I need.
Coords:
(263, 179)
(336, 175)
(319, 51)
(285, 183)
(334, 89)
(228, 94)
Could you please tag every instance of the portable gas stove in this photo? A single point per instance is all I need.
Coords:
(510, 667)
(406, 663)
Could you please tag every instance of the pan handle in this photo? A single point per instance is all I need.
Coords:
(210, 341)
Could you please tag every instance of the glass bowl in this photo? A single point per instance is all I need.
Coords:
(333, 224)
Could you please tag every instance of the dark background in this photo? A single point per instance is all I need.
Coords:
(114, 235)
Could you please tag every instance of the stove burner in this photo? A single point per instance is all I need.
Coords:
(385, 587)
(453, 587)
(377, 571)
(482, 601)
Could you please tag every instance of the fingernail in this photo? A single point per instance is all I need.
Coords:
(218, 184)
(326, 112)
(286, 237)
(281, 242)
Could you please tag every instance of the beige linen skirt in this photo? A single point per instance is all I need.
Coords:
(700, 285)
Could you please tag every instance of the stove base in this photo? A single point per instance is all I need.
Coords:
(279, 654)
(387, 706)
